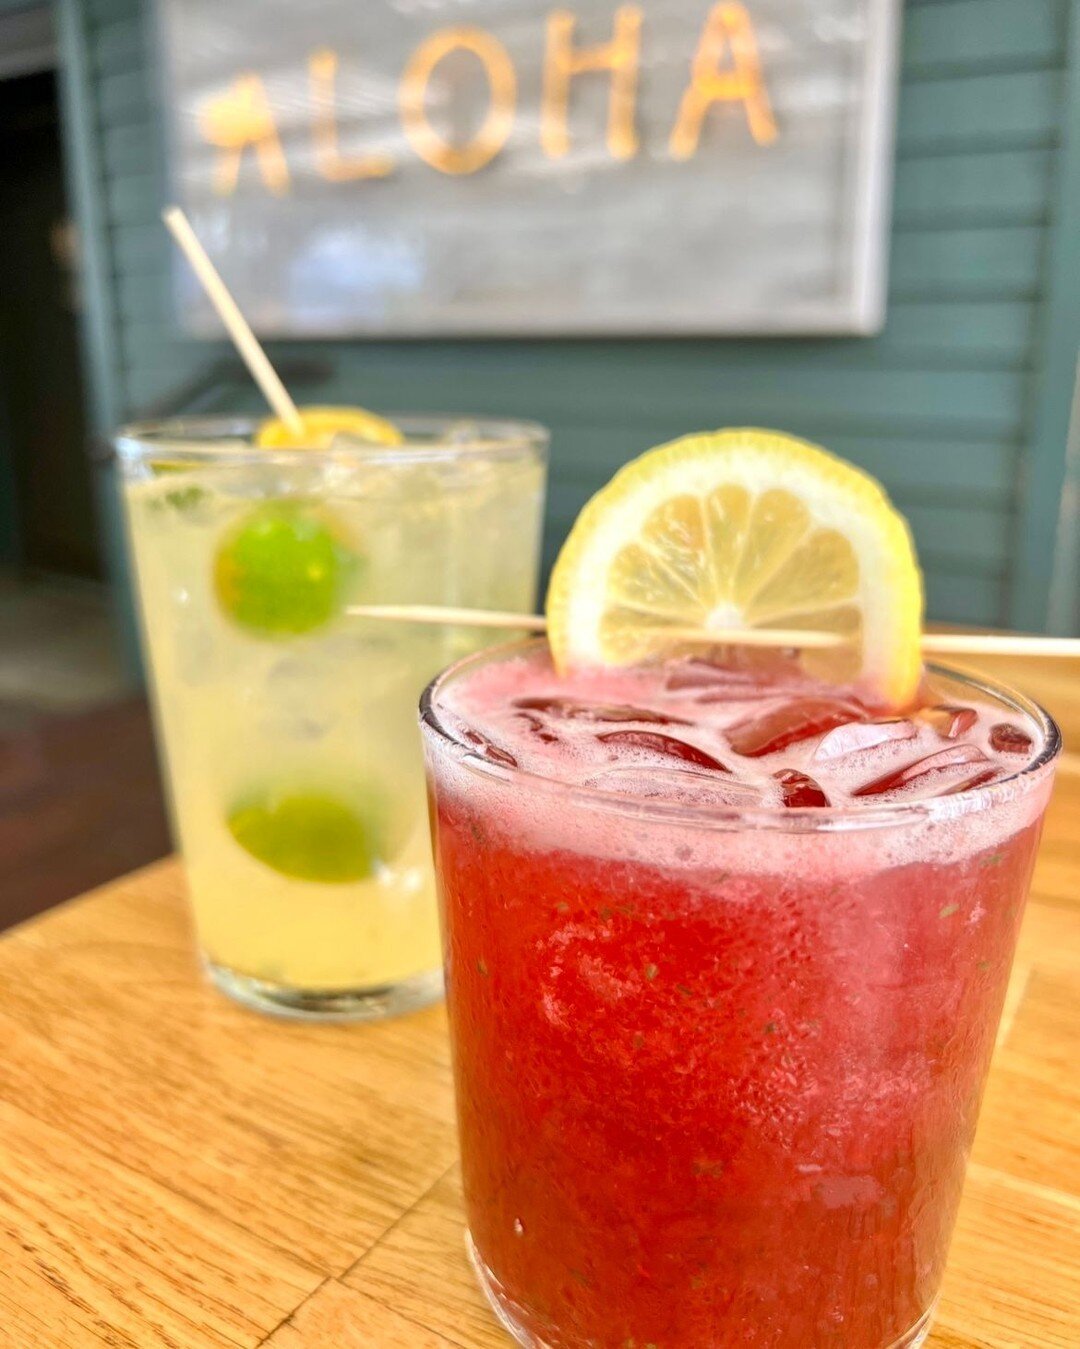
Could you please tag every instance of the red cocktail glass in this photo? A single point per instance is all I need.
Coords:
(718, 1070)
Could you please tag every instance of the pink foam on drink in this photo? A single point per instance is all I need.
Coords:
(694, 733)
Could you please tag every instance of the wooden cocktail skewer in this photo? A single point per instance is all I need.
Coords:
(435, 613)
(933, 643)
(495, 618)
(998, 644)
(238, 328)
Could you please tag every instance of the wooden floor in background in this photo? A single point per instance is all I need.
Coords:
(80, 802)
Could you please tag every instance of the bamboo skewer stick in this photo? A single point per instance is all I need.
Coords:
(247, 344)
(998, 644)
(434, 613)
(933, 643)
(494, 618)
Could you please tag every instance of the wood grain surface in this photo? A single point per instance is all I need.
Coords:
(177, 1171)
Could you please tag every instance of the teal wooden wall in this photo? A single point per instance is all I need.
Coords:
(960, 405)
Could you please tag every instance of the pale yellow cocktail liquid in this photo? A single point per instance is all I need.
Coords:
(293, 756)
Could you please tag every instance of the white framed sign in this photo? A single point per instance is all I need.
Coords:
(468, 167)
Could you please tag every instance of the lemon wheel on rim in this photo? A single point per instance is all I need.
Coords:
(321, 426)
(742, 529)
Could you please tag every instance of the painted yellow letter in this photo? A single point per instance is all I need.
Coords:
(322, 70)
(239, 118)
(434, 148)
(621, 56)
(728, 28)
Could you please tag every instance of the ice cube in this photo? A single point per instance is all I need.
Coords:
(489, 749)
(463, 432)
(969, 784)
(379, 662)
(682, 786)
(572, 709)
(1008, 739)
(799, 790)
(538, 728)
(708, 683)
(702, 674)
(351, 443)
(658, 743)
(942, 773)
(199, 659)
(856, 736)
(798, 719)
(950, 722)
(298, 700)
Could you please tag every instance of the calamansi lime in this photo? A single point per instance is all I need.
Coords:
(308, 836)
(282, 569)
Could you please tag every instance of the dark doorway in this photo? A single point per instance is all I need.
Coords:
(47, 518)
(79, 794)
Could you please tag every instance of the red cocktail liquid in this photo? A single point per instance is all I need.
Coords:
(717, 1077)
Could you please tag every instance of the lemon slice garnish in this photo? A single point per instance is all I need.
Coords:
(322, 425)
(742, 529)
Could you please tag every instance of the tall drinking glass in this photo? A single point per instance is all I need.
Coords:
(287, 725)
(718, 1070)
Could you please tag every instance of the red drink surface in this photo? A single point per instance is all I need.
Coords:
(716, 1083)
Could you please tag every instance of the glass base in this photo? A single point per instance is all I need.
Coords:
(514, 1319)
(327, 1004)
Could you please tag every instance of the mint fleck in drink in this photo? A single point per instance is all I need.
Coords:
(287, 725)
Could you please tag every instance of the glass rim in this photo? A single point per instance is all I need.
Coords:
(203, 440)
(784, 819)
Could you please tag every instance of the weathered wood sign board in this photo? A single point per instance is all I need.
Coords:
(501, 166)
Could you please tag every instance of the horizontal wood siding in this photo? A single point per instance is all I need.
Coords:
(939, 405)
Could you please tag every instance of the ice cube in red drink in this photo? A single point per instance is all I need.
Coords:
(572, 709)
(855, 736)
(797, 720)
(658, 743)
(683, 786)
(705, 683)
(799, 790)
(949, 721)
(695, 674)
(948, 770)
(539, 727)
(969, 784)
(1007, 739)
(489, 749)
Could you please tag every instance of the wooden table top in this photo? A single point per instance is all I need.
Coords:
(178, 1171)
